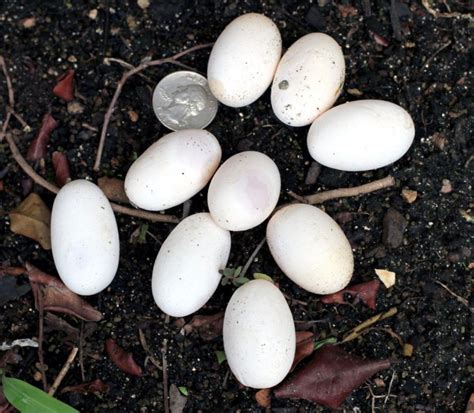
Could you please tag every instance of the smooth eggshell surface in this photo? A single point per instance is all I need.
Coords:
(84, 238)
(259, 335)
(310, 248)
(173, 169)
(186, 270)
(361, 135)
(244, 191)
(308, 80)
(243, 60)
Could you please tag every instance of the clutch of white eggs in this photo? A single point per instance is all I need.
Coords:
(306, 243)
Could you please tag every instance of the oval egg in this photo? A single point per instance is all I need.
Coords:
(259, 335)
(186, 270)
(361, 135)
(84, 238)
(244, 191)
(173, 169)
(310, 248)
(308, 79)
(243, 60)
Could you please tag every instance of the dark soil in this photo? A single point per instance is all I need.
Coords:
(424, 67)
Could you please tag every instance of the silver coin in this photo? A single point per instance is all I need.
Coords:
(182, 100)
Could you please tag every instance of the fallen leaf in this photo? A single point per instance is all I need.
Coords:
(58, 298)
(96, 386)
(367, 292)
(123, 360)
(61, 168)
(10, 357)
(10, 290)
(177, 400)
(37, 148)
(387, 277)
(263, 398)
(113, 189)
(55, 323)
(32, 218)
(207, 326)
(379, 39)
(64, 88)
(304, 346)
(330, 376)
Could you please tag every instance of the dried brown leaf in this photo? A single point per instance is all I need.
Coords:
(207, 326)
(37, 148)
(32, 218)
(97, 386)
(113, 189)
(304, 346)
(177, 400)
(64, 89)
(367, 292)
(61, 168)
(330, 376)
(123, 360)
(58, 298)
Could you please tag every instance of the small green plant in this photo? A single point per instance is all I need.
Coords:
(183, 390)
(320, 343)
(29, 399)
(262, 276)
(221, 357)
(232, 275)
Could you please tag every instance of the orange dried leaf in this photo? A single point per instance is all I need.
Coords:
(123, 360)
(64, 89)
(263, 398)
(32, 218)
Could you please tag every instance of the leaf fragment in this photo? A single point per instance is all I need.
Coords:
(366, 292)
(37, 148)
(330, 376)
(32, 219)
(123, 360)
(263, 398)
(177, 400)
(64, 88)
(97, 386)
(61, 168)
(114, 189)
(207, 326)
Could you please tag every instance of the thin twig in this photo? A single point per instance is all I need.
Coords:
(81, 352)
(389, 388)
(64, 370)
(164, 363)
(138, 213)
(437, 14)
(120, 85)
(252, 257)
(462, 300)
(148, 352)
(39, 301)
(429, 59)
(373, 186)
(356, 331)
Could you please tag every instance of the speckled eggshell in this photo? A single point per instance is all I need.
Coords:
(84, 238)
(308, 80)
(310, 248)
(244, 191)
(243, 60)
(259, 335)
(173, 169)
(186, 270)
(361, 135)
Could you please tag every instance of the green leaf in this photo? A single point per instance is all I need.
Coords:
(29, 399)
(241, 281)
(262, 276)
(221, 357)
(228, 272)
(142, 234)
(225, 281)
(237, 271)
(320, 343)
(183, 390)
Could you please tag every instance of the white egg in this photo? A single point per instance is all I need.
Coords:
(186, 270)
(310, 248)
(259, 335)
(308, 80)
(361, 135)
(244, 191)
(173, 169)
(84, 238)
(243, 60)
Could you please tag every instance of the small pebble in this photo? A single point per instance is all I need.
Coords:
(75, 108)
(394, 225)
(37, 376)
(446, 187)
(409, 195)
(92, 14)
(28, 23)
(143, 4)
